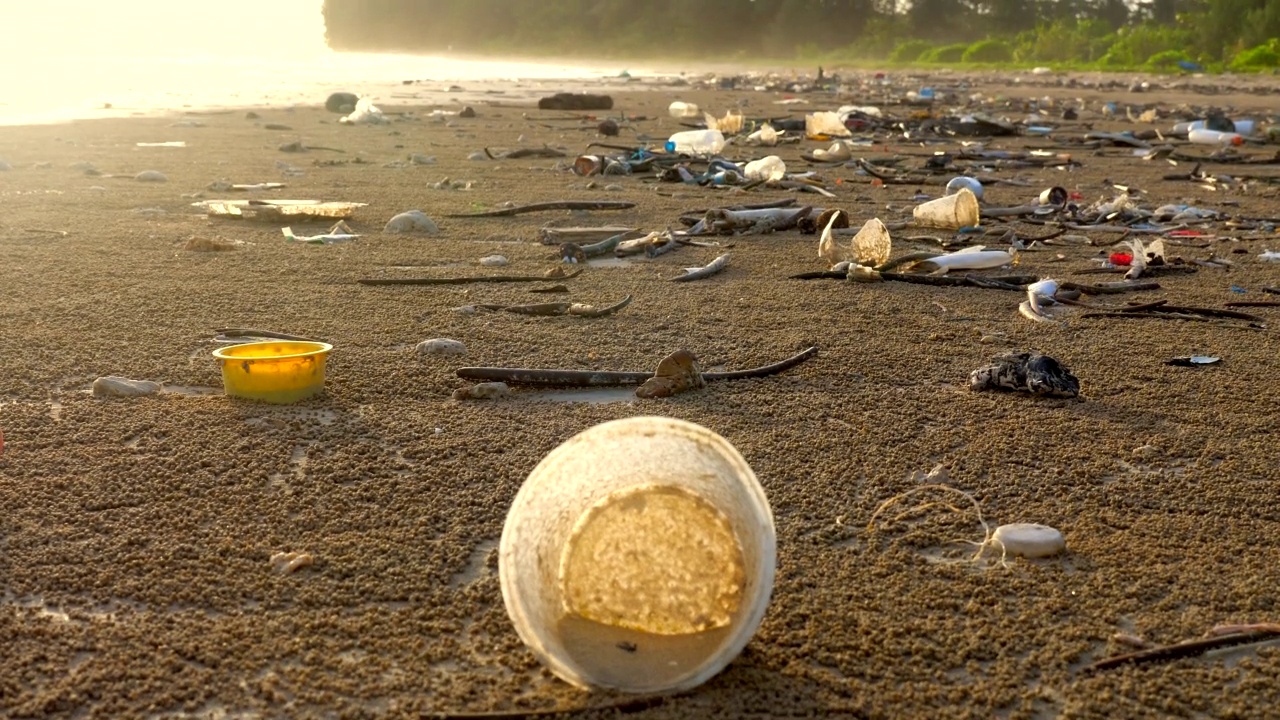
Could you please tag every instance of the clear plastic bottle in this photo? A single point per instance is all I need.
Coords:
(1214, 137)
(696, 142)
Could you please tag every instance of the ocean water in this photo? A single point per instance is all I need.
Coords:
(65, 59)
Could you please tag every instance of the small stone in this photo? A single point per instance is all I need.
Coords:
(111, 386)
(420, 159)
(477, 155)
(613, 188)
(441, 346)
(1147, 451)
(494, 261)
(251, 115)
(467, 112)
(151, 176)
(482, 391)
(410, 222)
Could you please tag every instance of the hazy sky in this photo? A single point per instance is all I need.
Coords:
(48, 28)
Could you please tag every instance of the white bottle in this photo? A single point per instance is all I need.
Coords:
(1214, 137)
(696, 142)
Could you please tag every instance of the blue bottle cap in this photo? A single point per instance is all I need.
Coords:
(671, 147)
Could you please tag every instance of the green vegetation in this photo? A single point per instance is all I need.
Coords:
(988, 51)
(1153, 35)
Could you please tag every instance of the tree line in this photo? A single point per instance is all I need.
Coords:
(1110, 33)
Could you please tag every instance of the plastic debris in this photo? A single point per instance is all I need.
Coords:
(112, 386)
(770, 168)
(365, 113)
(338, 233)
(1026, 372)
(277, 210)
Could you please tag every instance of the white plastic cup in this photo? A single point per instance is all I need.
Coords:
(638, 556)
(951, 211)
(696, 142)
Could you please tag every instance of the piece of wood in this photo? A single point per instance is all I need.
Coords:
(591, 378)
(555, 205)
(466, 280)
(1188, 649)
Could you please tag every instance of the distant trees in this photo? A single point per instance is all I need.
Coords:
(1068, 31)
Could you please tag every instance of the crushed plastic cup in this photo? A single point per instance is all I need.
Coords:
(872, 245)
(766, 135)
(1053, 196)
(951, 211)
(825, 124)
(638, 556)
(769, 168)
(588, 165)
(682, 110)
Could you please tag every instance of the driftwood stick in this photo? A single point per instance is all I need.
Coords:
(592, 378)
(1110, 288)
(250, 332)
(589, 311)
(557, 205)
(1178, 651)
(466, 280)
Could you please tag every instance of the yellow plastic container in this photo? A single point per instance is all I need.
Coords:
(278, 372)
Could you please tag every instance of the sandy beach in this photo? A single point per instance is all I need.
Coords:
(136, 533)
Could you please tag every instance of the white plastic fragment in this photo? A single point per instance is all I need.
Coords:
(112, 386)
(365, 113)
(151, 176)
(769, 168)
(766, 135)
(441, 346)
(1029, 540)
(288, 562)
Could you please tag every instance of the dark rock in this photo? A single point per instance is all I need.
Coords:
(341, 102)
(571, 101)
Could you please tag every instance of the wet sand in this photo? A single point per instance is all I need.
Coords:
(136, 534)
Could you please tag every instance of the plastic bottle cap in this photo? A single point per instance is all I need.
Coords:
(670, 146)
